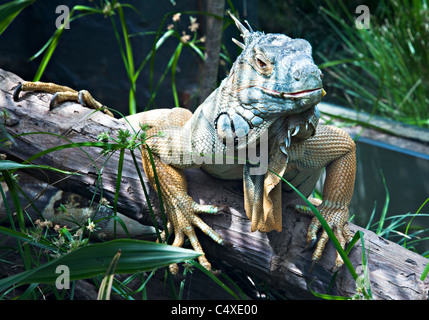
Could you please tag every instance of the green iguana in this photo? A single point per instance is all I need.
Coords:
(259, 124)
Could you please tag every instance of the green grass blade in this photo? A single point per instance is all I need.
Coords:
(12, 165)
(10, 10)
(409, 224)
(385, 207)
(146, 194)
(118, 186)
(157, 45)
(20, 236)
(425, 273)
(328, 230)
(158, 187)
(327, 296)
(197, 50)
(366, 284)
(127, 58)
(239, 290)
(11, 183)
(173, 73)
(214, 278)
(51, 45)
(128, 48)
(106, 284)
(110, 146)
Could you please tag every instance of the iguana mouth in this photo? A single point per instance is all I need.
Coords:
(294, 95)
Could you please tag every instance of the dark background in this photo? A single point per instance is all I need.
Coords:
(88, 56)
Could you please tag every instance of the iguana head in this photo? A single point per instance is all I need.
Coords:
(273, 79)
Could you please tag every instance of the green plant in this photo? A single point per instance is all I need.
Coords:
(383, 69)
(10, 10)
(399, 226)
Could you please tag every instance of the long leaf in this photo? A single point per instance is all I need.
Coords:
(146, 194)
(51, 45)
(11, 165)
(26, 238)
(94, 260)
(173, 73)
(409, 224)
(425, 273)
(10, 10)
(214, 278)
(380, 231)
(118, 186)
(106, 284)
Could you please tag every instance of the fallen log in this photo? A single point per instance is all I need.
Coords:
(276, 258)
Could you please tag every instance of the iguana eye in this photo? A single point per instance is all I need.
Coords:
(263, 65)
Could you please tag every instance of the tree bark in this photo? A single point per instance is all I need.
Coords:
(213, 42)
(277, 258)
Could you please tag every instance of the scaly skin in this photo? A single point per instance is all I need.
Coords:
(268, 103)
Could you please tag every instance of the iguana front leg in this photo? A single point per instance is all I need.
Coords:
(61, 94)
(334, 149)
(181, 209)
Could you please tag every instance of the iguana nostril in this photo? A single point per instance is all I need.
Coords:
(297, 75)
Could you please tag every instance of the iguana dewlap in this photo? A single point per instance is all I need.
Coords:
(261, 123)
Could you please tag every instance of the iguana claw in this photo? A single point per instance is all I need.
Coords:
(16, 92)
(183, 223)
(313, 263)
(309, 245)
(53, 101)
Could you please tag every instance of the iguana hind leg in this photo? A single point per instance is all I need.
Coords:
(61, 94)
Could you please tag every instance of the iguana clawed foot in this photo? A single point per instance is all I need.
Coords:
(337, 220)
(61, 94)
(183, 219)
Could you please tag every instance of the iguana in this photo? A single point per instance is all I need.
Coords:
(268, 102)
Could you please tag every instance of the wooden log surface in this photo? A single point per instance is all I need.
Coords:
(275, 257)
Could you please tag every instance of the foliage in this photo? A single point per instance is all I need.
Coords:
(383, 69)
(10, 10)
